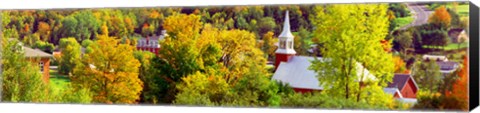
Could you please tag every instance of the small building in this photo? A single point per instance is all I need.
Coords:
(151, 43)
(434, 57)
(457, 35)
(403, 87)
(41, 58)
(448, 67)
(405, 84)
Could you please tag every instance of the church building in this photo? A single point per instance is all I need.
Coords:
(293, 69)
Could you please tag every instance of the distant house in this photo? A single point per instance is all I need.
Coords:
(457, 34)
(434, 57)
(41, 58)
(151, 43)
(293, 70)
(446, 67)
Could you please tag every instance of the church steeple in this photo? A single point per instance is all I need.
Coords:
(285, 49)
(286, 33)
(286, 38)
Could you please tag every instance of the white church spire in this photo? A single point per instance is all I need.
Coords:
(286, 27)
(286, 38)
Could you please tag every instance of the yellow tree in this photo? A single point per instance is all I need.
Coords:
(441, 16)
(110, 71)
(239, 53)
(399, 64)
(268, 44)
(184, 51)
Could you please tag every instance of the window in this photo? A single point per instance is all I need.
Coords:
(290, 44)
(282, 44)
(41, 66)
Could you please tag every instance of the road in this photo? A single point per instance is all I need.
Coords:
(420, 14)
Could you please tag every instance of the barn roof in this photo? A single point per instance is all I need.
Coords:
(399, 81)
(297, 75)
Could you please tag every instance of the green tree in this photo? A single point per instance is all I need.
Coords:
(404, 41)
(44, 46)
(455, 18)
(357, 41)
(151, 92)
(268, 45)
(180, 51)
(110, 72)
(266, 24)
(87, 42)
(202, 89)
(81, 25)
(21, 80)
(427, 75)
(301, 40)
(70, 55)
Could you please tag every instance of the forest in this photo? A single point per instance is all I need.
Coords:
(219, 55)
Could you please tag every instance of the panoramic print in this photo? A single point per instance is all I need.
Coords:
(377, 56)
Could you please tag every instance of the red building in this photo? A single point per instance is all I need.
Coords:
(41, 58)
(151, 43)
(406, 86)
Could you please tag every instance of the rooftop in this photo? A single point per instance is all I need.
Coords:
(447, 65)
(297, 75)
(29, 53)
(398, 81)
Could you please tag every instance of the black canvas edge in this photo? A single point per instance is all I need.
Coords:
(473, 56)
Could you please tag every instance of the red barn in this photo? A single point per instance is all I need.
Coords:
(405, 85)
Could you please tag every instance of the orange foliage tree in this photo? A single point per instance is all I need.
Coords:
(460, 87)
(441, 16)
(44, 31)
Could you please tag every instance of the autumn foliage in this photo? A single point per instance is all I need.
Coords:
(399, 65)
(441, 16)
(110, 71)
(460, 87)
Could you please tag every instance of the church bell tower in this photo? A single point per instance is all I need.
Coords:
(285, 49)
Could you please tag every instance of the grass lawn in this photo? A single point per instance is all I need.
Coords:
(462, 10)
(452, 46)
(403, 21)
(58, 81)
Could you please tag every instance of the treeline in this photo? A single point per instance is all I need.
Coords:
(51, 25)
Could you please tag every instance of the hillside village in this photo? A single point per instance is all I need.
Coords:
(256, 56)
